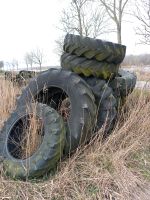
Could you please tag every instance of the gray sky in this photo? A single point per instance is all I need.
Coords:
(27, 24)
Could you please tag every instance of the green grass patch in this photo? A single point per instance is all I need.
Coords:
(139, 162)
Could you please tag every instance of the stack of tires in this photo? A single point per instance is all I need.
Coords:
(98, 63)
(72, 103)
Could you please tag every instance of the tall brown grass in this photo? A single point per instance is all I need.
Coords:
(142, 75)
(8, 94)
(33, 134)
(114, 169)
(32, 137)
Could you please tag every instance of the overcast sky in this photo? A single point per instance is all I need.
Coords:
(27, 24)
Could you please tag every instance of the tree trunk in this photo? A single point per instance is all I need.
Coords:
(80, 24)
(40, 67)
(119, 34)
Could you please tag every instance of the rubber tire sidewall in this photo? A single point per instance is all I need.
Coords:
(48, 153)
(83, 108)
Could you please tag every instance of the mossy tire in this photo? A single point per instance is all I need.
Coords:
(106, 103)
(123, 84)
(94, 48)
(50, 150)
(50, 88)
(82, 65)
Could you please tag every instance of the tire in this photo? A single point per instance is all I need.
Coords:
(82, 65)
(123, 84)
(25, 74)
(106, 103)
(94, 48)
(49, 152)
(8, 76)
(52, 87)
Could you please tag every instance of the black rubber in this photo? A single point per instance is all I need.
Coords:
(50, 150)
(94, 48)
(82, 65)
(105, 102)
(52, 87)
(8, 76)
(123, 84)
(27, 74)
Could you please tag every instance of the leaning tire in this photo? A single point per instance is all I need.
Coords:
(106, 103)
(49, 151)
(82, 65)
(94, 48)
(123, 84)
(52, 87)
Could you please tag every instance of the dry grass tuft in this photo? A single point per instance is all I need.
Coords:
(113, 169)
(143, 75)
(8, 94)
(32, 128)
(33, 135)
(30, 134)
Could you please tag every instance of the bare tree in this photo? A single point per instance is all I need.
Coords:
(115, 10)
(34, 57)
(59, 46)
(37, 57)
(84, 18)
(28, 60)
(142, 13)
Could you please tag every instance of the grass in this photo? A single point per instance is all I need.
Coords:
(33, 135)
(117, 168)
(8, 94)
(27, 143)
(142, 75)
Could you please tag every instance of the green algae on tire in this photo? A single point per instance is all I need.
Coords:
(81, 65)
(124, 83)
(51, 88)
(48, 153)
(106, 103)
(94, 48)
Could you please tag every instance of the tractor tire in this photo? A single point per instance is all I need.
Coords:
(123, 84)
(106, 103)
(55, 85)
(94, 48)
(82, 65)
(49, 151)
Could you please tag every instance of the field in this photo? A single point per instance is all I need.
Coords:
(115, 169)
(143, 73)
